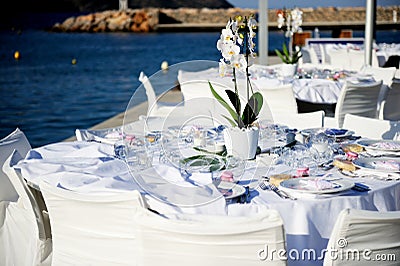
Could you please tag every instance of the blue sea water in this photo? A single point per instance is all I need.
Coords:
(48, 97)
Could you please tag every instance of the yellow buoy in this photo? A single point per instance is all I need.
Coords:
(17, 55)
(164, 65)
(74, 61)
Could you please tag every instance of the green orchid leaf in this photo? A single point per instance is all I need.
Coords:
(233, 123)
(280, 55)
(259, 102)
(224, 103)
(234, 98)
(285, 50)
(252, 109)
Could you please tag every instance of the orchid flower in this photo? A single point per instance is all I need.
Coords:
(238, 61)
(223, 67)
(229, 50)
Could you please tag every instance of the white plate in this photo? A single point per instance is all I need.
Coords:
(296, 185)
(230, 190)
(369, 144)
(373, 164)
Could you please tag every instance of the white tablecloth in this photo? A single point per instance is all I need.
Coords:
(89, 167)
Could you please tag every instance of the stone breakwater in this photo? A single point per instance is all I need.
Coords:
(148, 19)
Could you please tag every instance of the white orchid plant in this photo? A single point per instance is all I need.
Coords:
(292, 20)
(236, 45)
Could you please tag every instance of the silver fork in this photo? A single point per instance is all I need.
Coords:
(281, 193)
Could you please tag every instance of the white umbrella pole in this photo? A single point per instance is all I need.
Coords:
(263, 32)
(369, 31)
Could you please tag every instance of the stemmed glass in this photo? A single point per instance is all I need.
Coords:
(321, 148)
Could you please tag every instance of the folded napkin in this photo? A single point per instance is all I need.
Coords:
(318, 184)
(71, 149)
(335, 131)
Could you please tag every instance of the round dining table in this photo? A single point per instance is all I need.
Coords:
(93, 167)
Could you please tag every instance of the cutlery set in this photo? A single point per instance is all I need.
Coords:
(266, 185)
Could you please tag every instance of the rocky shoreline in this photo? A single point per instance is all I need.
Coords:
(149, 19)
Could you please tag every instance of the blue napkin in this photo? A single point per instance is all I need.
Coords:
(335, 131)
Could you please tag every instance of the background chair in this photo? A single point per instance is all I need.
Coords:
(16, 140)
(357, 59)
(198, 99)
(209, 240)
(92, 229)
(339, 58)
(381, 73)
(278, 100)
(384, 74)
(25, 234)
(372, 127)
(390, 106)
(360, 230)
(301, 121)
(155, 106)
(393, 61)
(358, 99)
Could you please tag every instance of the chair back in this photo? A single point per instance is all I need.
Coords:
(372, 128)
(92, 228)
(381, 73)
(339, 58)
(390, 107)
(357, 59)
(359, 99)
(198, 99)
(210, 240)
(24, 228)
(302, 120)
(279, 100)
(155, 107)
(151, 95)
(16, 140)
(361, 236)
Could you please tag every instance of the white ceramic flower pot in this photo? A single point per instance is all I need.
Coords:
(241, 142)
(288, 70)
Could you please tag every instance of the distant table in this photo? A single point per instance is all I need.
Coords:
(311, 94)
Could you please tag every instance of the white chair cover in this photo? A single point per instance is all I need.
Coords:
(372, 128)
(359, 99)
(339, 58)
(155, 106)
(16, 140)
(278, 100)
(386, 74)
(23, 235)
(210, 240)
(357, 59)
(92, 228)
(391, 106)
(357, 231)
(302, 121)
